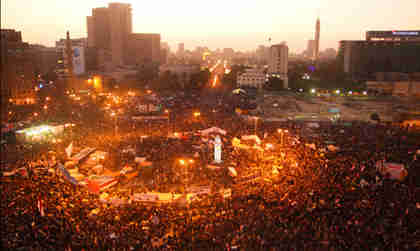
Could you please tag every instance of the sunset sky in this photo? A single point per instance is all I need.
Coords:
(238, 24)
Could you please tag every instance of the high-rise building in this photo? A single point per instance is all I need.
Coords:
(17, 70)
(310, 49)
(143, 48)
(108, 32)
(120, 20)
(317, 36)
(278, 63)
(383, 51)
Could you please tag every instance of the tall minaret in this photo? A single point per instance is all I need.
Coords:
(69, 56)
(317, 33)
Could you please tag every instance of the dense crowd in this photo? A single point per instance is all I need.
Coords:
(315, 202)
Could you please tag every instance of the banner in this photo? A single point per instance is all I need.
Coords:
(66, 174)
(394, 170)
(83, 154)
(99, 183)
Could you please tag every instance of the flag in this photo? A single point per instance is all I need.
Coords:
(41, 207)
(69, 150)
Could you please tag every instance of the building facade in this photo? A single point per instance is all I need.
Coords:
(252, 78)
(360, 59)
(278, 63)
(78, 46)
(18, 75)
(143, 48)
(111, 42)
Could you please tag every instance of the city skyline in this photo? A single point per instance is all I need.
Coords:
(241, 27)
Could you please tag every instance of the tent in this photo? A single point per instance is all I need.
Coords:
(213, 130)
(252, 137)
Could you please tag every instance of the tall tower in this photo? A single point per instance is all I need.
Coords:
(317, 34)
(69, 59)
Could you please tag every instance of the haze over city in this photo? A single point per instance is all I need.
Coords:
(242, 25)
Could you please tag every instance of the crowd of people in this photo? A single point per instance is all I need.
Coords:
(301, 195)
(315, 202)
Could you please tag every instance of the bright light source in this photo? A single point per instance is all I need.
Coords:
(337, 91)
(214, 81)
(269, 146)
(350, 92)
(313, 90)
(365, 93)
(196, 114)
(279, 130)
(182, 162)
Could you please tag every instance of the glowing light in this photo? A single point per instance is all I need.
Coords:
(35, 114)
(365, 93)
(196, 114)
(337, 91)
(214, 81)
(182, 162)
(269, 146)
(313, 90)
(45, 107)
(47, 98)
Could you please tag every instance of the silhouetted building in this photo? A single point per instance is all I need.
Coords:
(382, 52)
(108, 32)
(317, 37)
(17, 73)
(143, 48)
(111, 43)
(310, 49)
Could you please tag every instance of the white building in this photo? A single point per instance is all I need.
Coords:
(252, 78)
(278, 62)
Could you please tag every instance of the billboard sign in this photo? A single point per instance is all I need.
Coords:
(79, 60)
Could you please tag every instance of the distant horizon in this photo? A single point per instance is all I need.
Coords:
(221, 24)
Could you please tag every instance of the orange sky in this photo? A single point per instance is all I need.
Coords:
(239, 24)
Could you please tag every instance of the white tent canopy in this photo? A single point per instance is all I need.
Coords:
(213, 130)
